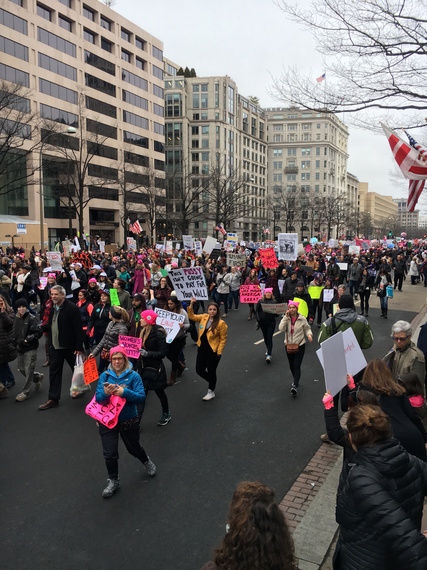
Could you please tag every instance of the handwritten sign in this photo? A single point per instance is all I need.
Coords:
(114, 298)
(343, 266)
(90, 370)
(170, 322)
(132, 345)
(354, 249)
(108, 413)
(334, 363)
(189, 282)
(54, 260)
(328, 295)
(236, 259)
(43, 282)
(250, 293)
(268, 258)
(280, 284)
(354, 356)
(66, 244)
(288, 246)
(188, 241)
(274, 308)
(198, 248)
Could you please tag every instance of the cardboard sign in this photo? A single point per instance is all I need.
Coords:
(343, 266)
(274, 308)
(107, 413)
(236, 259)
(132, 345)
(90, 370)
(54, 260)
(288, 246)
(328, 295)
(354, 356)
(188, 242)
(189, 282)
(281, 284)
(198, 248)
(170, 322)
(209, 244)
(268, 258)
(250, 293)
(114, 298)
(334, 363)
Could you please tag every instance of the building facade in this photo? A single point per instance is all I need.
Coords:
(307, 164)
(215, 154)
(382, 211)
(407, 221)
(85, 68)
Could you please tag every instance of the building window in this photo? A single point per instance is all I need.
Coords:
(133, 138)
(65, 23)
(136, 100)
(56, 42)
(140, 43)
(100, 63)
(140, 63)
(157, 72)
(14, 75)
(57, 66)
(278, 165)
(105, 151)
(44, 12)
(159, 147)
(305, 164)
(135, 120)
(158, 128)
(101, 107)
(138, 159)
(14, 22)
(89, 36)
(106, 45)
(158, 110)
(66, 3)
(18, 2)
(158, 91)
(277, 138)
(125, 35)
(157, 53)
(101, 129)
(98, 171)
(126, 56)
(58, 91)
(59, 115)
(105, 23)
(134, 80)
(13, 48)
(100, 85)
(88, 13)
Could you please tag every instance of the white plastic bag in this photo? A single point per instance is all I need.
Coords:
(78, 386)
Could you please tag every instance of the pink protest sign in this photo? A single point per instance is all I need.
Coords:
(108, 413)
(268, 258)
(250, 293)
(131, 344)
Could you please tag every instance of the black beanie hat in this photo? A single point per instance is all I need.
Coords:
(21, 303)
(346, 302)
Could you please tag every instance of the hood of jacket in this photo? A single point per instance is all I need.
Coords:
(346, 315)
(387, 457)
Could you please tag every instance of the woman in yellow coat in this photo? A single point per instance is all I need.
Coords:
(211, 342)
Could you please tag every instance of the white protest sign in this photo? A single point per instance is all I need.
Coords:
(159, 246)
(66, 244)
(74, 283)
(188, 242)
(101, 246)
(236, 259)
(288, 246)
(131, 243)
(189, 282)
(328, 295)
(343, 266)
(354, 356)
(170, 322)
(334, 364)
(177, 246)
(198, 248)
(169, 247)
(209, 244)
(354, 249)
(280, 284)
(54, 259)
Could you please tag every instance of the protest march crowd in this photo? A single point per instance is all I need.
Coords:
(117, 318)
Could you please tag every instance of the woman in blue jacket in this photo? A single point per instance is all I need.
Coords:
(119, 379)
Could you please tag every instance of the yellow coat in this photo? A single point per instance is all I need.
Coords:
(216, 339)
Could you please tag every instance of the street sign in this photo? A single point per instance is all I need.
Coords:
(21, 229)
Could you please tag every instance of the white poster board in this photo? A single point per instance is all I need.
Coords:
(198, 248)
(236, 260)
(288, 246)
(66, 244)
(54, 259)
(343, 266)
(334, 363)
(170, 322)
(188, 242)
(209, 244)
(354, 249)
(189, 282)
(328, 295)
(354, 357)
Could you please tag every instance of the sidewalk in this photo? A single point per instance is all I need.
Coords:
(309, 505)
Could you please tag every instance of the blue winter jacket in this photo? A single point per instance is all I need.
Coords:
(133, 393)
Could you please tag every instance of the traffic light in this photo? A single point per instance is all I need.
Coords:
(390, 233)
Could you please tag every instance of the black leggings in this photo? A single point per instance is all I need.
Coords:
(295, 361)
(174, 350)
(161, 394)
(267, 332)
(206, 365)
(129, 432)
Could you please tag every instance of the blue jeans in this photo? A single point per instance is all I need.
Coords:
(234, 296)
(384, 302)
(6, 376)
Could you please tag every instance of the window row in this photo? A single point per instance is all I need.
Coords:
(13, 48)
(14, 75)
(56, 42)
(135, 120)
(100, 63)
(13, 22)
(58, 91)
(134, 80)
(59, 115)
(57, 66)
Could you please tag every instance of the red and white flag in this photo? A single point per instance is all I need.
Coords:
(321, 78)
(136, 228)
(411, 163)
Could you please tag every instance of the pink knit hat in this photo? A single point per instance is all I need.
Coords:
(93, 280)
(268, 290)
(149, 316)
(118, 349)
(293, 304)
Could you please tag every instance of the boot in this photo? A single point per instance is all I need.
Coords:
(181, 368)
(385, 313)
(172, 378)
(113, 485)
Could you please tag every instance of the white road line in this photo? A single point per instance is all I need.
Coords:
(262, 340)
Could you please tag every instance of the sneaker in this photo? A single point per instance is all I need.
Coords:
(37, 382)
(268, 359)
(294, 390)
(224, 316)
(46, 363)
(113, 485)
(22, 397)
(3, 391)
(164, 420)
(150, 467)
(209, 396)
(325, 438)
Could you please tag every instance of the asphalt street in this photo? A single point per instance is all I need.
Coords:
(53, 473)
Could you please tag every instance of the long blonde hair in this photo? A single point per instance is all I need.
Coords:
(145, 333)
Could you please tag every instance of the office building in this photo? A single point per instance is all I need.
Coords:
(382, 211)
(406, 220)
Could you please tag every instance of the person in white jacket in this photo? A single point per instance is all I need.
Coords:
(223, 288)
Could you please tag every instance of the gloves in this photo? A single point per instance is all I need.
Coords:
(143, 353)
(350, 382)
(30, 338)
(328, 401)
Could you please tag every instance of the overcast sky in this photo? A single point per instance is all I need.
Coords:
(251, 41)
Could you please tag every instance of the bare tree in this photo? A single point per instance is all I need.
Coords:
(225, 186)
(335, 209)
(187, 198)
(374, 52)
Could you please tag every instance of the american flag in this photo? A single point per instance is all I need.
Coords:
(412, 164)
(136, 228)
(220, 228)
(321, 78)
(415, 186)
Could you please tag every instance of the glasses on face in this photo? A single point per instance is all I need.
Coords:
(400, 338)
(117, 358)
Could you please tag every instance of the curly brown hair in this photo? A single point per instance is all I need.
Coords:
(258, 535)
(377, 376)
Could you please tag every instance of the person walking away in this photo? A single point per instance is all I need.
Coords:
(413, 271)
(153, 351)
(223, 288)
(27, 331)
(383, 279)
(266, 321)
(176, 347)
(119, 379)
(365, 286)
(235, 282)
(399, 272)
(353, 275)
(211, 343)
(65, 342)
(296, 329)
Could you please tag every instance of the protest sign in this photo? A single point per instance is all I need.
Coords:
(132, 345)
(188, 241)
(90, 371)
(328, 295)
(114, 298)
(54, 260)
(215, 252)
(231, 239)
(280, 284)
(101, 246)
(288, 246)
(315, 291)
(169, 247)
(131, 243)
(74, 283)
(43, 282)
(189, 282)
(354, 356)
(334, 363)
(108, 412)
(307, 269)
(354, 249)
(209, 244)
(274, 308)
(66, 244)
(268, 258)
(343, 266)
(198, 248)
(175, 260)
(159, 246)
(111, 248)
(236, 259)
(170, 322)
(250, 293)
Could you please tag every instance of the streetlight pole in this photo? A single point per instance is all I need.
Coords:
(71, 131)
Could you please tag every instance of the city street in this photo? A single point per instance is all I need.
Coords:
(53, 471)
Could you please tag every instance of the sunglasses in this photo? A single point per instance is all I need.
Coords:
(399, 338)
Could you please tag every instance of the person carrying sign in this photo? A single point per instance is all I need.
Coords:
(266, 321)
(211, 343)
(305, 303)
(315, 291)
(122, 381)
(252, 279)
(176, 347)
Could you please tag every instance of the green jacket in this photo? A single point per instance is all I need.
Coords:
(346, 319)
(408, 359)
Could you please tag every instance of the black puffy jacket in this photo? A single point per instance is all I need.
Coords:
(27, 331)
(8, 351)
(379, 511)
